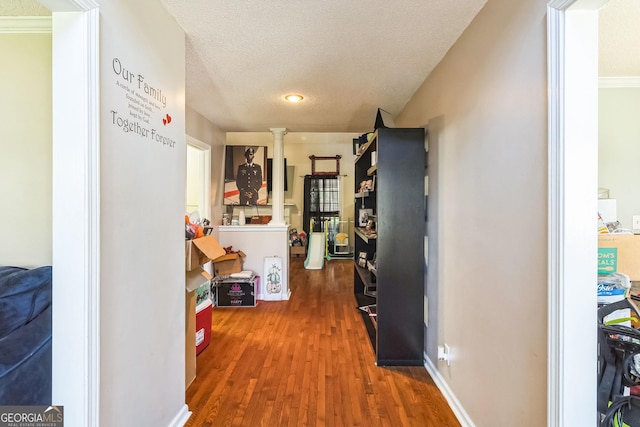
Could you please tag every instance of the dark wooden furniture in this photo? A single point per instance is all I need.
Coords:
(391, 286)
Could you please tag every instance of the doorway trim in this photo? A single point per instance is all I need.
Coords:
(205, 184)
(572, 49)
(76, 209)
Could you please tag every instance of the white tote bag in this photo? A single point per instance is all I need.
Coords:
(272, 278)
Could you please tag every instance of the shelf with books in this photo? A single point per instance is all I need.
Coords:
(387, 266)
(362, 233)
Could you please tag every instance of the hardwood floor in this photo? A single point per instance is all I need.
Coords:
(306, 362)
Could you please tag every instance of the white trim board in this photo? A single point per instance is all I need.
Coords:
(205, 190)
(76, 213)
(619, 82)
(181, 417)
(454, 403)
(25, 24)
(572, 58)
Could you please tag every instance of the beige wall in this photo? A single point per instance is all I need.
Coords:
(25, 149)
(204, 131)
(485, 110)
(297, 149)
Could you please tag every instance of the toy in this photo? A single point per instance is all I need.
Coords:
(294, 238)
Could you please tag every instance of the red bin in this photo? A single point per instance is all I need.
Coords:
(203, 325)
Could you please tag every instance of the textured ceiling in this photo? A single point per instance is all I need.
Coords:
(619, 39)
(22, 8)
(346, 57)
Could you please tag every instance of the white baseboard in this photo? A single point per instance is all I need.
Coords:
(284, 296)
(181, 417)
(453, 401)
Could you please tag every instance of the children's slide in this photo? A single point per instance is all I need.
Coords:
(315, 251)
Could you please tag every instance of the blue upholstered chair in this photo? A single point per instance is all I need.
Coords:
(25, 336)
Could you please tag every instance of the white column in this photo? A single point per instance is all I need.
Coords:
(277, 174)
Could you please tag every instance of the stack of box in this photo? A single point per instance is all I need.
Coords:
(228, 263)
(619, 253)
(197, 252)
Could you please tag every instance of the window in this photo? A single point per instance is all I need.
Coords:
(322, 200)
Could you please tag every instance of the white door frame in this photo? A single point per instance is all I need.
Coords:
(572, 26)
(572, 209)
(205, 185)
(76, 210)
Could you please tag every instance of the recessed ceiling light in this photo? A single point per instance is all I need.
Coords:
(293, 98)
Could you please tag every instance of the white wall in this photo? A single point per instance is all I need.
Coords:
(618, 149)
(297, 149)
(142, 214)
(204, 131)
(485, 110)
(25, 147)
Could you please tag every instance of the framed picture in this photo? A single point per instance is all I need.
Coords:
(362, 259)
(245, 175)
(363, 216)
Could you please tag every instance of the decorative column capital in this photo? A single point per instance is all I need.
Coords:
(281, 131)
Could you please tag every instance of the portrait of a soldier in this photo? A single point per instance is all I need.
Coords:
(249, 179)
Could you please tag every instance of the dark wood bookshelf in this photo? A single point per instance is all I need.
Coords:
(397, 282)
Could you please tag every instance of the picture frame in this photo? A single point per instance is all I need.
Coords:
(363, 216)
(362, 259)
(245, 185)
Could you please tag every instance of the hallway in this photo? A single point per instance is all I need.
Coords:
(306, 362)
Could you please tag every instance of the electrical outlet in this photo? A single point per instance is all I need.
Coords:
(636, 222)
(447, 354)
(443, 354)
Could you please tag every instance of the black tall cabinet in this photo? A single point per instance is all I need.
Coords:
(392, 279)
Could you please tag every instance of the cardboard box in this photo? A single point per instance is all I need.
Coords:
(193, 280)
(190, 338)
(297, 250)
(200, 251)
(229, 263)
(619, 253)
(196, 278)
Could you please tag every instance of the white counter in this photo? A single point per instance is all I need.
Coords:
(259, 242)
